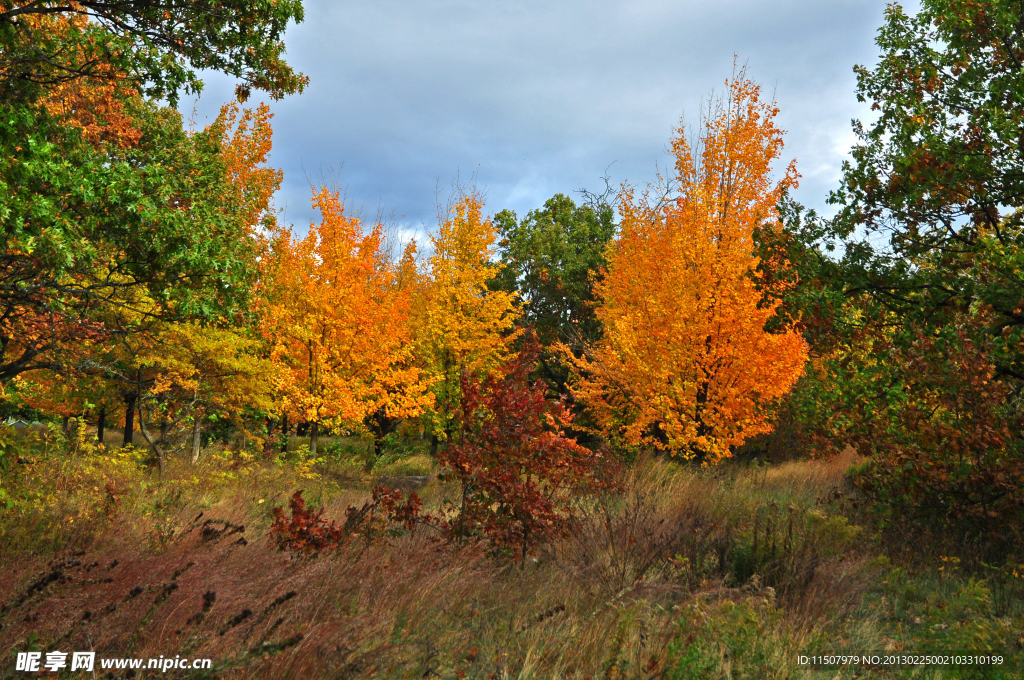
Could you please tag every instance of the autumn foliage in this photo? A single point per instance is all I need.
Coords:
(465, 328)
(94, 105)
(182, 302)
(247, 137)
(685, 364)
(516, 469)
(146, 280)
(518, 475)
(308, 532)
(943, 450)
(339, 324)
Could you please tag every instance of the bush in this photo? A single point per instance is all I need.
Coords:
(619, 543)
(310, 533)
(948, 453)
(516, 469)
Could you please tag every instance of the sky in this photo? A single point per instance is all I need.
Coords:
(531, 98)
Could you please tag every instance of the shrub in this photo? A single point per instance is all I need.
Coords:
(949, 453)
(515, 468)
(309, 533)
(305, 531)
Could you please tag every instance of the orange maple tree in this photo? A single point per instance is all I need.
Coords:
(685, 364)
(338, 323)
(246, 141)
(93, 104)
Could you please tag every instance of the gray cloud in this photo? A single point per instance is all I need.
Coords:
(540, 97)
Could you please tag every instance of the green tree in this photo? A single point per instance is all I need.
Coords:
(552, 258)
(157, 45)
(101, 191)
(933, 201)
(927, 250)
(83, 226)
(931, 204)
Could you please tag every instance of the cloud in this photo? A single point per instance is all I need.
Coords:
(537, 97)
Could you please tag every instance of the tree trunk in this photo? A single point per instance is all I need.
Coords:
(197, 440)
(284, 431)
(160, 454)
(699, 415)
(101, 421)
(433, 446)
(64, 425)
(129, 419)
(380, 425)
(314, 431)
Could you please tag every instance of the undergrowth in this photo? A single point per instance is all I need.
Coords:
(730, 572)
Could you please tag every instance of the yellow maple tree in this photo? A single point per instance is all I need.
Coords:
(193, 372)
(685, 364)
(339, 324)
(465, 329)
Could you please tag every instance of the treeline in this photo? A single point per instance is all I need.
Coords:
(911, 297)
(146, 281)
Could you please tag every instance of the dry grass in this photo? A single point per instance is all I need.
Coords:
(183, 565)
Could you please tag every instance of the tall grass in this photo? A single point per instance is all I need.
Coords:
(726, 573)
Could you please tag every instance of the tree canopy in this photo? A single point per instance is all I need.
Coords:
(103, 193)
(552, 258)
(156, 45)
(685, 363)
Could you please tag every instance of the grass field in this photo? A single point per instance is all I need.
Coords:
(730, 572)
